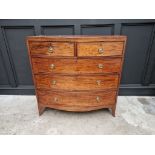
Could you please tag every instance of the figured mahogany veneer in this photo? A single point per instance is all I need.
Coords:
(76, 73)
(56, 48)
(80, 82)
(76, 66)
(74, 100)
(95, 49)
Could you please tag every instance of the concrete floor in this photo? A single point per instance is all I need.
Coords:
(134, 115)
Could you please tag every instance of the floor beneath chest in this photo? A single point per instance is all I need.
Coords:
(134, 115)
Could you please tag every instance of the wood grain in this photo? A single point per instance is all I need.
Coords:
(77, 38)
(92, 49)
(76, 66)
(79, 99)
(59, 49)
(96, 82)
(80, 84)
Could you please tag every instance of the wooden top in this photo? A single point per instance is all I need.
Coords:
(77, 38)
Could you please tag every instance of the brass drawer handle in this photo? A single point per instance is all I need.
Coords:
(55, 99)
(50, 49)
(98, 99)
(100, 66)
(52, 66)
(53, 82)
(100, 50)
(98, 82)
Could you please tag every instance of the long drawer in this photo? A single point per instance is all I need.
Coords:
(77, 82)
(100, 49)
(76, 66)
(77, 98)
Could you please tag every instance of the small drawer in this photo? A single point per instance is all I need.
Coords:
(52, 48)
(100, 49)
(76, 66)
(79, 99)
(76, 82)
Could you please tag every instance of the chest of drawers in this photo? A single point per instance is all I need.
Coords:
(76, 73)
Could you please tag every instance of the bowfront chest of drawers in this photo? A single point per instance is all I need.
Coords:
(76, 73)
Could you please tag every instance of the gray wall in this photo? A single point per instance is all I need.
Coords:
(138, 71)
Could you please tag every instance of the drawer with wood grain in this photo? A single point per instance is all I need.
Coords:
(76, 66)
(52, 48)
(76, 73)
(78, 99)
(76, 82)
(100, 49)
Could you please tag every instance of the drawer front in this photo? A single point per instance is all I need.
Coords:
(52, 48)
(73, 66)
(100, 49)
(77, 98)
(96, 82)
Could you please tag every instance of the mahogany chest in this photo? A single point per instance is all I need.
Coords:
(76, 73)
